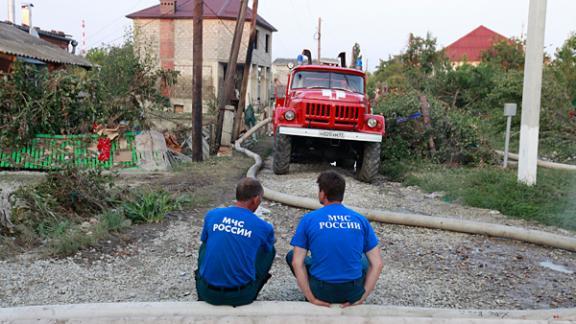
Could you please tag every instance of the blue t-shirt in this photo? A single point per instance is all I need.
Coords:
(233, 237)
(337, 237)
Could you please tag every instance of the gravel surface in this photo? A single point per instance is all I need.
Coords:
(425, 268)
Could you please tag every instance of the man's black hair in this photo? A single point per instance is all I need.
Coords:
(248, 188)
(332, 184)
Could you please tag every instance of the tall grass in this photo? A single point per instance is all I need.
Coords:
(551, 202)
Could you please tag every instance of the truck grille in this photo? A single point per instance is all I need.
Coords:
(333, 116)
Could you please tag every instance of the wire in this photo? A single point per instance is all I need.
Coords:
(110, 24)
(179, 5)
(244, 46)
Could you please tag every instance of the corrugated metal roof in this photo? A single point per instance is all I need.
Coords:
(472, 45)
(14, 41)
(213, 9)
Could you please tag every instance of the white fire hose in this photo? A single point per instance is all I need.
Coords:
(544, 164)
(441, 223)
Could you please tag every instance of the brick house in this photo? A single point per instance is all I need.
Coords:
(165, 32)
(470, 47)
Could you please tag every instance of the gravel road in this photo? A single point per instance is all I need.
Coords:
(425, 268)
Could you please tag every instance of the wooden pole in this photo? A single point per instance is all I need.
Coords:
(425, 108)
(197, 81)
(246, 76)
(230, 72)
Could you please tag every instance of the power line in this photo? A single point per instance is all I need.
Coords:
(111, 23)
(179, 5)
(244, 46)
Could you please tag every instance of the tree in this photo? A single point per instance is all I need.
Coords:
(506, 54)
(565, 66)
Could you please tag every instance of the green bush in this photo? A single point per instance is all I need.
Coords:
(468, 97)
(113, 221)
(457, 135)
(67, 195)
(150, 206)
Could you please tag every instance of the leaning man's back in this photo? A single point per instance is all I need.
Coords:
(233, 239)
(237, 250)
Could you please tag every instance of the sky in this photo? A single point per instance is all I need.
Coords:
(381, 27)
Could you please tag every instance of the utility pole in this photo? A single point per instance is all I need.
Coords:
(12, 12)
(532, 94)
(197, 63)
(230, 72)
(319, 40)
(247, 68)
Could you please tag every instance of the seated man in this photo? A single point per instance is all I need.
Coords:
(237, 250)
(346, 262)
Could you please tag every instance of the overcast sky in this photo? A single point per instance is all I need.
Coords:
(380, 26)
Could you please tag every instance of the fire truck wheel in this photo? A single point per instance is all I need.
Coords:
(368, 168)
(282, 153)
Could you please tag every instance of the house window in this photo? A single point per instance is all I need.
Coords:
(256, 41)
(267, 43)
(178, 109)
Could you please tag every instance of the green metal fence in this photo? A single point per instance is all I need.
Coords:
(49, 152)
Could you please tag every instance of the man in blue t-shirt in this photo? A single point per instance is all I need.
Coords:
(237, 250)
(345, 263)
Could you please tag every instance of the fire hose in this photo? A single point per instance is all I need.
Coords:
(544, 164)
(415, 220)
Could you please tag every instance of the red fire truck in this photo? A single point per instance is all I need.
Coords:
(326, 117)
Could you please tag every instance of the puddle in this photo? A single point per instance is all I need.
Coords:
(556, 267)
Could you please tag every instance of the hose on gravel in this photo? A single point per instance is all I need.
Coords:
(389, 217)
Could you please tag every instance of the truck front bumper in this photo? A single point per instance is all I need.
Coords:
(331, 134)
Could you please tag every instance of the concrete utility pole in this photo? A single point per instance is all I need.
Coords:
(230, 72)
(247, 68)
(11, 11)
(197, 81)
(531, 97)
(319, 40)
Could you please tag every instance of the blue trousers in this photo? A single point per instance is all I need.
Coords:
(334, 293)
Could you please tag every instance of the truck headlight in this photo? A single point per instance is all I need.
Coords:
(372, 123)
(289, 115)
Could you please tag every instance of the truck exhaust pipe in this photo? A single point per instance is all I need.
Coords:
(308, 55)
(342, 57)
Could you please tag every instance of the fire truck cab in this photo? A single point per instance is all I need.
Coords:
(326, 117)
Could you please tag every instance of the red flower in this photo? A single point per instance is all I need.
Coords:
(104, 147)
(572, 114)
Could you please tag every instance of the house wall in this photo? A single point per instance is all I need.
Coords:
(169, 44)
(6, 62)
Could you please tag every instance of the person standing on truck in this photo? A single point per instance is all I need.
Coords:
(237, 250)
(346, 262)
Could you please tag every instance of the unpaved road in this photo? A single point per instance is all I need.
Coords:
(423, 267)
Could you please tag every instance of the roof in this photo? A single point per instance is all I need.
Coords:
(52, 34)
(14, 41)
(472, 45)
(285, 61)
(213, 9)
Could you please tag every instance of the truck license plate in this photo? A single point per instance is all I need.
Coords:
(332, 134)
